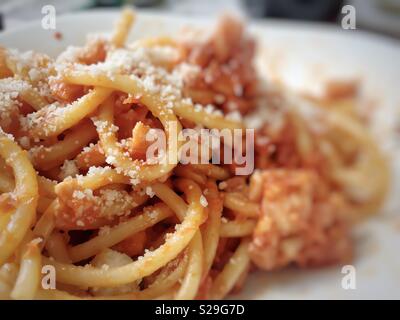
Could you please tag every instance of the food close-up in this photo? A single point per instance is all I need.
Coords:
(150, 161)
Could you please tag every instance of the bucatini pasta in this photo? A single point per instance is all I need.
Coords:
(80, 195)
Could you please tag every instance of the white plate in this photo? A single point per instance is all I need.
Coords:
(304, 56)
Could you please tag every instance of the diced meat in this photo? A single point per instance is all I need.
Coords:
(228, 79)
(65, 92)
(302, 222)
(94, 51)
(85, 209)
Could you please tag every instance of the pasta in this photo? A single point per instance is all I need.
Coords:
(81, 194)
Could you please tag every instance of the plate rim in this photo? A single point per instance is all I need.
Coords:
(253, 23)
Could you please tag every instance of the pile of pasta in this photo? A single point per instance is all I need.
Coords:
(78, 196)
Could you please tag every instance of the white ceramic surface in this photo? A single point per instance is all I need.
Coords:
(303, 56)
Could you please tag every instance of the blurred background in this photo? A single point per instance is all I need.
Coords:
(381, 16)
